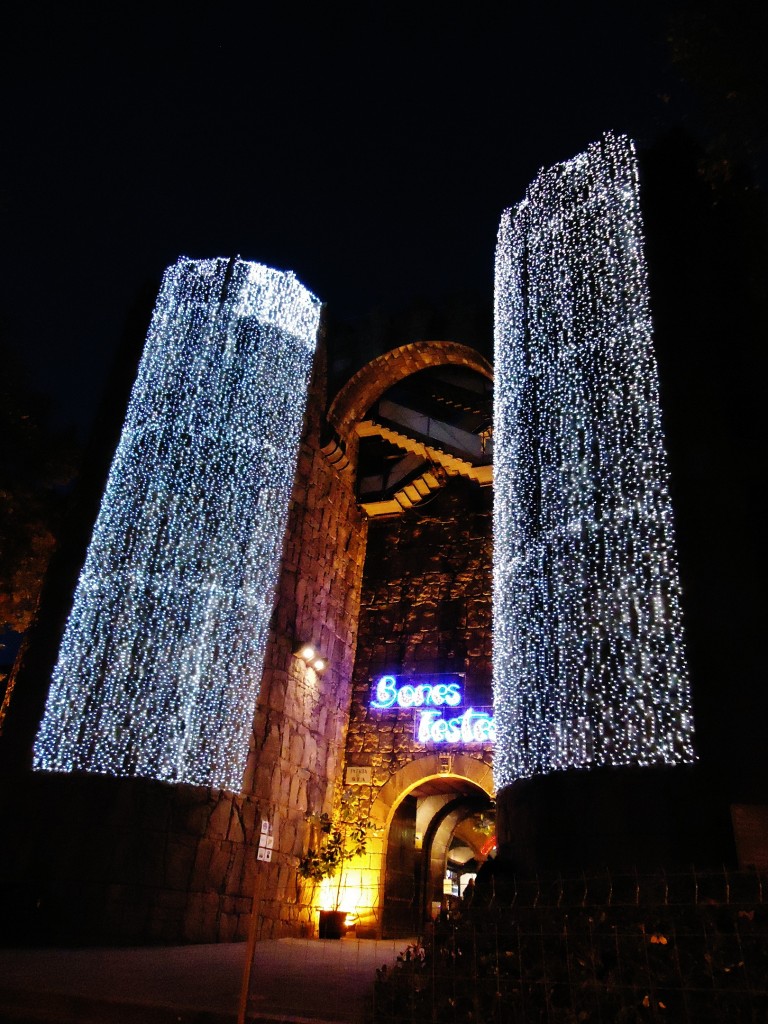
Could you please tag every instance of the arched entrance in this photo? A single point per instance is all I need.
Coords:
(435, 843)
(439, 816)
(369, 383)
(414, 431)
(348, 410)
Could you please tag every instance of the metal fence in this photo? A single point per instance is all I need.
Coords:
(688, 947)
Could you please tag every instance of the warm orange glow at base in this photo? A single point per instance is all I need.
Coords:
(357, 895)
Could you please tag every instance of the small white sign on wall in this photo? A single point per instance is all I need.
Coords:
(266, 842)
(359, 776)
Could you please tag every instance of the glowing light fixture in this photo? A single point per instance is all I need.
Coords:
(306, 652)
(161, 660)
(589, 661)
(311, 657)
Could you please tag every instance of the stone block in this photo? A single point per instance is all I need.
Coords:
(296, 749)
(141, 858)
(171, 901)
(201, 867)
(201, 918)
(193, 818)
(179, 859)
(279, 785)
(220, 814)
(236, 831)
(219, 867)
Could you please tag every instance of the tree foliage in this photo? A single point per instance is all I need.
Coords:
(719, 51)
(37, 466)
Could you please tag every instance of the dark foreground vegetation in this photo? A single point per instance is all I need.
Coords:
(685, 948)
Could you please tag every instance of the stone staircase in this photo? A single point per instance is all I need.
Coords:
(428, 482)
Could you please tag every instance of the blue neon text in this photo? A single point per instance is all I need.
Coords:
(389, 694)
(470, 727)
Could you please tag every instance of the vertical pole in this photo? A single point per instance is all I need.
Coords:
(258, 890)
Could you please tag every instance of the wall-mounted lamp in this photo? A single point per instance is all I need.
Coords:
(311, 657)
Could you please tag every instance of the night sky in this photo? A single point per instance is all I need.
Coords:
(369, 151)
(370, 148)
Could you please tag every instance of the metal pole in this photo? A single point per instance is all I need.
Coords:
(251, 944)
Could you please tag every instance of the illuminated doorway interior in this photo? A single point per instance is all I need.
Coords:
(439, 836)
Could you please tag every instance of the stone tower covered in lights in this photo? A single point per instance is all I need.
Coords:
(589, 661)
(162, 657)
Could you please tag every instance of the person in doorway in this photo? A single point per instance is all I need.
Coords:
(469, 894)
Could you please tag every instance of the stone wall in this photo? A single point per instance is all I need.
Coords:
(300, 726)
(98, 859)
(623, 818)
(425, 608)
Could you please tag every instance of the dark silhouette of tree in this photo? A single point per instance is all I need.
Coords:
(718, 49)
(38, 464)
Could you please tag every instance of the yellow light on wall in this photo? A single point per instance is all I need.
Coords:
(311, 657)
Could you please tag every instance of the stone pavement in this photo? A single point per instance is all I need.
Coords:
(299, 980)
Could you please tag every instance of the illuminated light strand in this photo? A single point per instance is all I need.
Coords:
(589, 658)
(161, 659)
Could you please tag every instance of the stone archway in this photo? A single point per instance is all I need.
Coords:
(416, 813)
(375, 378)
(424, 769)
(453, 387)
(437, 842)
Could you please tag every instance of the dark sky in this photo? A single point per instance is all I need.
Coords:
(370, 148)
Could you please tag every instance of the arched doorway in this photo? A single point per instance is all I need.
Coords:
(435, 844)
(369, 383)
(349, 411)
(436, 815)
(414, 430)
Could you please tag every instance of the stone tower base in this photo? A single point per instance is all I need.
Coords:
(621, 818)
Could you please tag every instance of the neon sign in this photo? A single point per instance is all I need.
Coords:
(389, 694)
(428, 700)
(487, 846)
(470, 727)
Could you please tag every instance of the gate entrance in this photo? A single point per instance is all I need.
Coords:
(439, 835)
